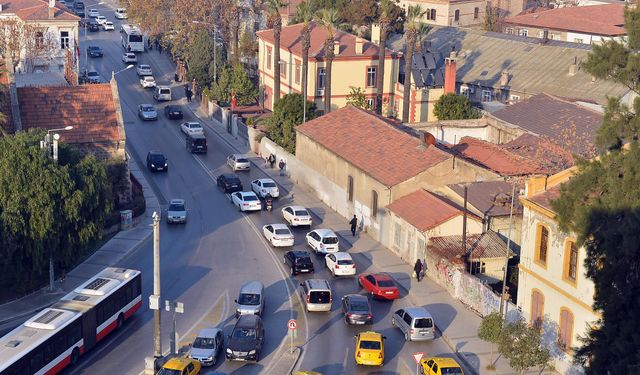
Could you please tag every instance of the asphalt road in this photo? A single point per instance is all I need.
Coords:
(204, 263)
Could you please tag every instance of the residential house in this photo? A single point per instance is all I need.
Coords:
(47, 34)
(582, 24)
(288, 12)
(553, 291)
(459, 12)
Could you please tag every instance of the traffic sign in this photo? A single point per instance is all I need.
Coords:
(292, 324)
(417, 356)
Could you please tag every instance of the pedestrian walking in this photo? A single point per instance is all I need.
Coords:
(149, 45)
(424, 268)
(282, 165)
(272, 160)
(354, 225)
(159, 46)
(189, 95)
(417, 268)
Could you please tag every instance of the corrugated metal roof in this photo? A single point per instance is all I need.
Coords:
(487, 245)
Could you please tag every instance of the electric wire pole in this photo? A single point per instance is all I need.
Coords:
(157, 343)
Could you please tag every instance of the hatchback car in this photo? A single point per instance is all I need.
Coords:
(144, 70)
(181, 366)
(299, 261)
(264, 186)
(250, 299)
(108, 26)
(340, 264)
(147, 82)
(229, 183)
(162, 93)
(101, 20)
(246, 339)
(440, 366)
(207, 346)
(177, 212)
(94, 51)
(297, 215)
(121, 14)
(322, 241)
(147, 112)
(379, 285)
(93, 13)
(238, 162)
(129, 58)
(191, 128)
(416, 323)
(278, 235)
(246, 201)
(356, 309)
(369, 348)
(93, 77)
(156, 161)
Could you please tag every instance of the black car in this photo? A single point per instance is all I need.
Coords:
(229, 183)
(156, 161)
(245, 342)
(94, 51)
(196, 143)
(92, 25)
(173, 112)
(356, 309)
(299, 261)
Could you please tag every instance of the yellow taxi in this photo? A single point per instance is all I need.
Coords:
(180, 366)
(369, 348)
(440, 366)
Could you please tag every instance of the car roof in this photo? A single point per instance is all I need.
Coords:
(418, 312)
(300, 253)
(238, 155)
(164, 87)
(318, 284)
(370, 335)
(173, 106)
(208, 332)
(144, 66)
(91, 47)
(342, 255)
(265, 180)
(247, 193)
(357, 297)
(190, 122)
(381, 276)
(148, 77)
(130, 54)
(443, 361)
(155, 152)
(325, 232)
(296, 208)
(177, 363)
(230, 175)
(177, 201)
(254, 287)
(279, 226)
(247, 321)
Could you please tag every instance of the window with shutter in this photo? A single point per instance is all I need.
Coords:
(537, 309)
(542, 244)
(565, 333)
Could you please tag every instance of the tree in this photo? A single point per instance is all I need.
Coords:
(455, 107)
(412, 26)
(246, 92)
(199, 56)
(521, 344)
(221, 90)
(359, 12)
(303, 11)
(357, 98)
(248, 46)
(328, 18)
(383, 22)
(490, 330)
(274, 7)
(493, 17)
(287, 114)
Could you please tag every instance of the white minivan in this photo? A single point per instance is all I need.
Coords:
(162, 93)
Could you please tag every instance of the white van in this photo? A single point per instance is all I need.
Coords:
(162, 93)
(316, 293)
(121, 14)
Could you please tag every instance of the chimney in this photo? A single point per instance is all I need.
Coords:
(450, 75)
(359, 46)
(427, 140)
(336, 48)
(573, 68)
(453, 54)
(375, 33)
(52, 9)
(504, 78)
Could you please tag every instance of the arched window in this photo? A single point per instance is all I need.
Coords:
(456, 15)
(565, 329)
(433, 14)
(542, 244)
(476, 13)
(537, 309)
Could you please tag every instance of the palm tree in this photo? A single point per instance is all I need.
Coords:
(274, 7)
(412, 26)
(328, 18)
(303, 12)
(383, 22)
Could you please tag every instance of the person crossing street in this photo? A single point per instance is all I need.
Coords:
(354, 225)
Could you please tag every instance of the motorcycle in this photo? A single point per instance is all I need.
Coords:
(268, 202)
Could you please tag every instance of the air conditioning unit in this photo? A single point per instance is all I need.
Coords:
(320, 92)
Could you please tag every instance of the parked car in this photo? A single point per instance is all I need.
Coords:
(322, 241)
(229, 183)
(101, 20)
(156, 161)
(246, 201)
(440, 366)
(121, 14)
(278, 235)
(416, 323)
(379, 285)
(92, 25)
(191, 127)
(147, 82)
(299, 261)
(250, 299)
(356, 309)
(246, 339)
(297, 215)
(93, 13)
(144, 70)
(108, 26)
(369, 348)
(238, 162)
(94, 51)
(129, 58)
(207, 346)
(93, 77)
(264, 186)
(162, 93)
(340, 264)
(196, 143)
(147, 112)
(177, 212)
(182, 366)
(173, 112)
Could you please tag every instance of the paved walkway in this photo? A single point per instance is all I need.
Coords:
(457, 324)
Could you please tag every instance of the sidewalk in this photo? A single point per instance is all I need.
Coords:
(457, 324)
(112, 252)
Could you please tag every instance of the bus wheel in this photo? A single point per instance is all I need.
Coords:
(120, 321)
(75, 354)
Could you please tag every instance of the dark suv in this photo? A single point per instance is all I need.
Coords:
(299, 261)
(229, 183)
(196, 143)
(156, 161)
(245, 342)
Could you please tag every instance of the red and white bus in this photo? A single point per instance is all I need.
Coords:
(57, 336)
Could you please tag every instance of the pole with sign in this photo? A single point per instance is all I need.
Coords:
(417, 356)
(292, 325)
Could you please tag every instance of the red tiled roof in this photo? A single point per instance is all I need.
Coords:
(290, 39)
(35, 10)
(423, 210)
(495, 157)
(90, 109)
(372, 144)
(544, 198)
(550, 157)
(606, 19)
(487, 245)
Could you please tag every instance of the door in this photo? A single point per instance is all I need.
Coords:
(89, 329)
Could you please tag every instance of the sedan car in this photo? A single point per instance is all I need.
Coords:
(207, 346)
(340, 264)
(369, 348)
(229, 183)
(173, 112)
(147, 82)
(296, 215)
(264, 186)
(101, 20)
(92, 25)
(246, 201)
(440, 366)
(182, 366)
(356, 309)
(322, 241)
(147, 112)
(129, 58)
(238, 162)
(121, 14)
(144, 70)
(93, 13)
(379, 285)
(94, 51)
(190, 127)
(177, 212)
(278, 235)
(246, 339)
(299, 261)
(93, 77)
(108, 26)
(156, 161)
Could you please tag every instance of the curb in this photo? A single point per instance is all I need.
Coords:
(295, 363)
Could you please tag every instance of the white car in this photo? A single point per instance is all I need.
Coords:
(101, 20)
(108, 26)
(296, 215)
(177, 212)
(93, 13)
(322, 241)
(246, 201)
(264, 186)
(144, 70)
(238, 162)
(121, 14)
(191, 128)
(148, 82)
(278, 235)
(340, 264)
(129, 58)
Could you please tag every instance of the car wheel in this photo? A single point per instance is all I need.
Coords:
(406, 336)
(293, 271)
(239, 208)
(393, 322)
(215, 359)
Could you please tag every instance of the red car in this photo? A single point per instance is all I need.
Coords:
(379, 285)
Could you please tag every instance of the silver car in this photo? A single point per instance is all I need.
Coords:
(177, 212)
(207, 346)
(251, 299)
(415, 322)
(264, 186)
(238, 162)
(147, 112)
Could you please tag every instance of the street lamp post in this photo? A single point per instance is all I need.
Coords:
(113, 74)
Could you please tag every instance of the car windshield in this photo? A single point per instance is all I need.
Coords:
(450, 371)
(242, 160)
(249, 299)
(330, 240)
(302, 213)
(147, 108)
(244, 333)
(232, 181)
(319, 296)
(303, 261)
(149, 78)
(94, 48)
(424, 323)
(166, 371)
(176, 207)
(371, 345)
(282, 231)
(345, 262)
(192, 126)
(269, 184)
(359, 306)
(204, 343)
(250, 198)
(145, 67)
(157, 158)
(386, 283)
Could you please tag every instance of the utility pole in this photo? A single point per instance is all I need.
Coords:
(157, 343)
(464, 232)
(506, 255)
